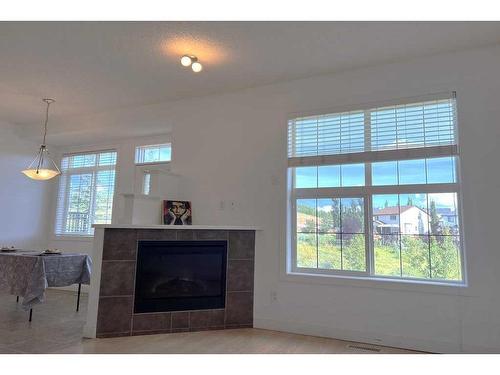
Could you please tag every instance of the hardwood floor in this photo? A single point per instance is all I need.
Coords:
(57, 328)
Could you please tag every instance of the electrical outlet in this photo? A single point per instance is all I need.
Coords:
(232, 205)
(274, 296)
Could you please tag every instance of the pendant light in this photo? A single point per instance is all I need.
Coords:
(43, 167)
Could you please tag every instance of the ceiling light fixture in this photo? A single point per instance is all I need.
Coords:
(193, 62)
(197, 67)
(43, 167)
(187, 60)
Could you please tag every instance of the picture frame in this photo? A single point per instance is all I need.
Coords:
(177, 212)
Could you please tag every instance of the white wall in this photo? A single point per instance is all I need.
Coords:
(24, 203)
(232, 147)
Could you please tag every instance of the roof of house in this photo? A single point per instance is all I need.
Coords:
(393, 210)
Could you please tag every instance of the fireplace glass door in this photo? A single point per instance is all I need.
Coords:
(180, 275)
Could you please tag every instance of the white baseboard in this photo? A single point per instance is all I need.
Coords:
(432, 346)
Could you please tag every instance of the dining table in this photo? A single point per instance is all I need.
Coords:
(28, 274)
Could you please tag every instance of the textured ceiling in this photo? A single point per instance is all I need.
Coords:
(94, 68)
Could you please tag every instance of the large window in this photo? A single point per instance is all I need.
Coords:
(152, 154)
(86, 189)
(374, 192)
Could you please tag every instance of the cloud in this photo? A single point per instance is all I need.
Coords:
(326, 208)
(443, 199)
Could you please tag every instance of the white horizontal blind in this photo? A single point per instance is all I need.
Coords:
(153, 153)
(86, 190)
(415, 125)
(424, 124)
(326, 135)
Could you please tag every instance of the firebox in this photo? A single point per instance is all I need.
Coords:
(180, 275)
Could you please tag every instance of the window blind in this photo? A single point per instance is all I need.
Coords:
(417, 125)
(86, 190)
(413, 125)
(326, 135)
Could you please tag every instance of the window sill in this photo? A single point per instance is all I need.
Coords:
(153, 163)
(73, 238)
(435, 287)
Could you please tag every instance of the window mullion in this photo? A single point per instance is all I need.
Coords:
(369, 256)
(293, 219)
(375, 155)
(344, 192)
(413, 189)
(66, 204)
(92, 201)
(317, 235)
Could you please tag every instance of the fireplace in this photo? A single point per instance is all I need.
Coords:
(126, 300)
(180, 276)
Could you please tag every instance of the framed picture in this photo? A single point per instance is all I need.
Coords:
(177, 213)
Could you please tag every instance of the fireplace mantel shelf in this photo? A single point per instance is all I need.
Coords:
(176, 227)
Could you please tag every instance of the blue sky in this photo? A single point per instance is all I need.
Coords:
(435, 170)
(422, 171)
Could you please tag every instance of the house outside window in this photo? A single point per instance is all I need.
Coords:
(374, 192)
(86, 192)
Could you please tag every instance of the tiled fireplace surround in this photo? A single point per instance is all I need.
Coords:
(116, 315)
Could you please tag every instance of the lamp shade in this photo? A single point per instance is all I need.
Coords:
(41, 174)
(42, 167)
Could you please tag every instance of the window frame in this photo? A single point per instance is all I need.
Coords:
(368, 190)
(78, 171)
(137, 147)
(146, 182)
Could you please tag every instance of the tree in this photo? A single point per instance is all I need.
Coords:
(329, 221)
(310, 220)
(445, 258)
(415, 256)
(353, 252)
(352, 215)
(336, 213)
(435, 224)
(353, 241)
